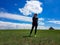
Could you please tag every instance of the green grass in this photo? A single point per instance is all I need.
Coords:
(20, 37)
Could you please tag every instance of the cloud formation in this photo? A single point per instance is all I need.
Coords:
(10, 25)
(54, 21)
(17, 17)
(31, 7)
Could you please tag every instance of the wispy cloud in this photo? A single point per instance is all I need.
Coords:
(9, 25)
(32, 6)
(41, 23)
(17, 17)
(54, 21)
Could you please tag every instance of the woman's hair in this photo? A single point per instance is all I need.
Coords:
(35, 14)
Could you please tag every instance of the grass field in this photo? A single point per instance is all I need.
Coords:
(20, 37)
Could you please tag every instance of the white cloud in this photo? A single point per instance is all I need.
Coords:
(6, 25)
(10, 25)
(41, 23)
(18, 17)
(15, 17)
(54, 21)
(41, 19)
(32, 6)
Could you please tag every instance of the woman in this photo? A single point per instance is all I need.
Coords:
(34, 24)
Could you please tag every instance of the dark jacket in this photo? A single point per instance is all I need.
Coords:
(35, 21)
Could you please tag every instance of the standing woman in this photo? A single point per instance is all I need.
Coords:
(34, 24)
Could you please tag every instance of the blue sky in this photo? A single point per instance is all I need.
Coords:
(17, 13)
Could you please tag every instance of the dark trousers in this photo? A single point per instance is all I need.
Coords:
(33, 28)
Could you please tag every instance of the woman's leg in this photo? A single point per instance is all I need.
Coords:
(35, 29)
(31, 30)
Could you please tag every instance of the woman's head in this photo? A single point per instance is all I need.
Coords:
(35, 15)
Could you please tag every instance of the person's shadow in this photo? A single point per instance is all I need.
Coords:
(26, 36)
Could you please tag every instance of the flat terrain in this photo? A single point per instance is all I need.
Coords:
(20, 37)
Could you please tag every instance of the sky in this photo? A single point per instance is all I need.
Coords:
(17, 14)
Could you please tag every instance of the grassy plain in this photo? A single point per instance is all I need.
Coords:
(20, 37)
